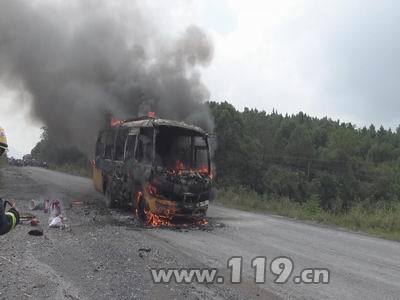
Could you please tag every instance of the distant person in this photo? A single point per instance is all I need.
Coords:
(8, 219)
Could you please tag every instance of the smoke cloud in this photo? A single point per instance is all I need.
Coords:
(81, 62)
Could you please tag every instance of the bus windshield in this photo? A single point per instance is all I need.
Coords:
(181, 149)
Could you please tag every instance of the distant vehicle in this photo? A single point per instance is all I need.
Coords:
(160, 167)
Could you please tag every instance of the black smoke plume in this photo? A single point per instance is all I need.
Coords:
(81, 62)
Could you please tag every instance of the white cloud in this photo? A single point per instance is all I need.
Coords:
(258, 64)
(335, 58)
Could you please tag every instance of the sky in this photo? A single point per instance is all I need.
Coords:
(339, 59)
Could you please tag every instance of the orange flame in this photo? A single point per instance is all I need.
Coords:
(153, 219)
(156, 221)
(180, 166)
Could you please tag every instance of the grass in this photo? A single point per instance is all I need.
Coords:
(378, 221)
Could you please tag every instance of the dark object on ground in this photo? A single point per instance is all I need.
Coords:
(144, 250)
(36, 232)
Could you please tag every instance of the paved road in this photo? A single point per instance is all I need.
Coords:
(361, 267)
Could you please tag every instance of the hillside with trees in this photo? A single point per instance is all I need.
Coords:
(301, 158)
(62, 157)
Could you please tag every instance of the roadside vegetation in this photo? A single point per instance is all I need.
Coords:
(309, 168)
(381, 219)
(61, 157)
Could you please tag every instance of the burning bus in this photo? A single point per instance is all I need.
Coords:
(161, 168)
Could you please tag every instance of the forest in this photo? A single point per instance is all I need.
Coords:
(299, 157)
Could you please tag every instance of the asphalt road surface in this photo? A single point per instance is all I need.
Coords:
(105, 254)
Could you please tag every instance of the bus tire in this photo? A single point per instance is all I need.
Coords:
(141, 210)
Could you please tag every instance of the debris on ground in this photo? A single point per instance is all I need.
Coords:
(77, 202)
(9, 260)
(141, 251)
(57, 222)
(36, 232)
(55, 208)
(144, 250)
(35, 222)
(36, 204)
(46, 205)
(27, 217)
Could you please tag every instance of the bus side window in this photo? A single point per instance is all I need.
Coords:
(144, 150)
(109, 144)
(100, 146)
(120, 143)
(130, 147)
(139, 150)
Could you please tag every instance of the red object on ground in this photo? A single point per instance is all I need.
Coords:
(55, 208)
(46, 206)
(35, 222)
(77, 202)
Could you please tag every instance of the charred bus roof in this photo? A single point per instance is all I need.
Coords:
(155, 122)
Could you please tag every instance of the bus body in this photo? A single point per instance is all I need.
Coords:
(160, 167)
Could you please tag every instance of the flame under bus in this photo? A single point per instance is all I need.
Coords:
(160, 167)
